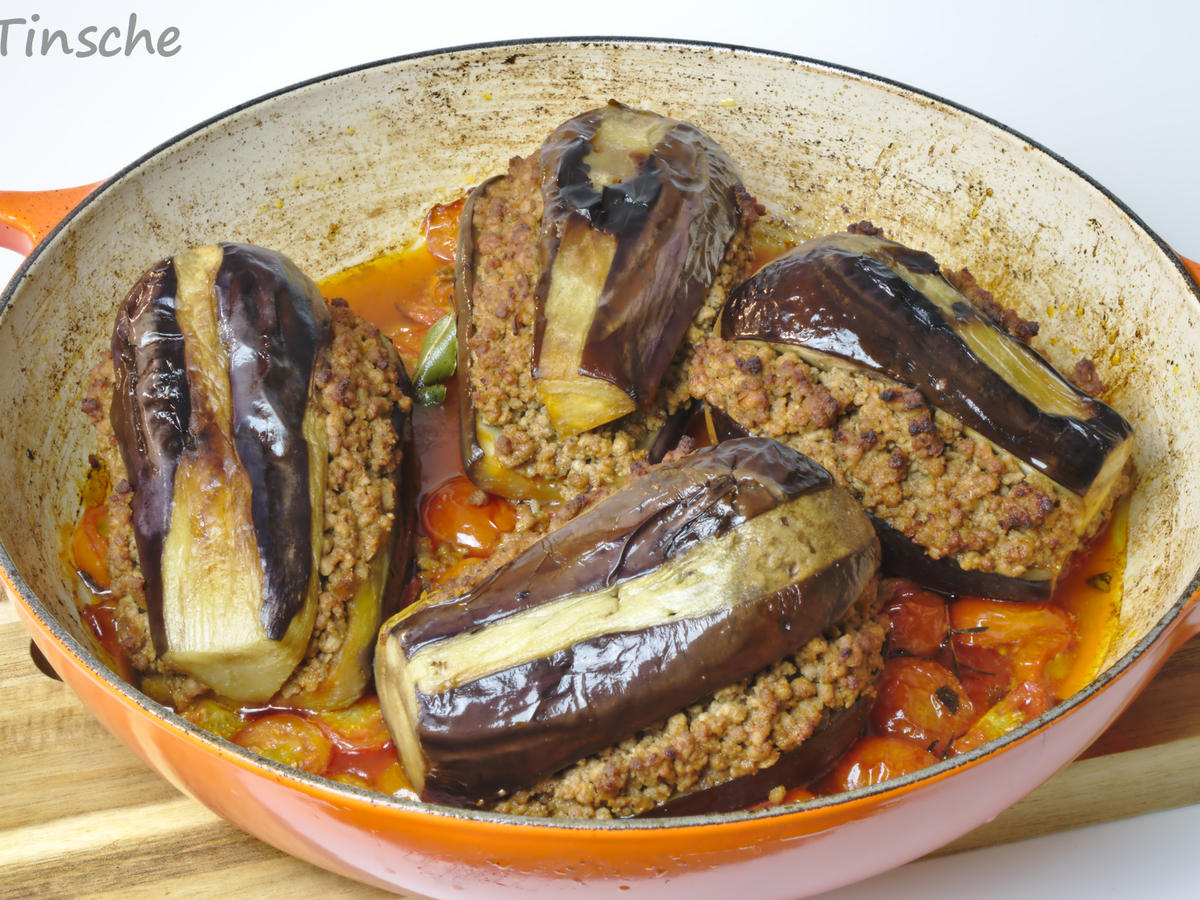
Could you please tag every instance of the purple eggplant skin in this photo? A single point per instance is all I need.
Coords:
(273, 328)
(505, 730)
(276, 326)
(851, 297)
(150, 413)
(464, 291)
(798, 767)
(905, 558)
(672, 220)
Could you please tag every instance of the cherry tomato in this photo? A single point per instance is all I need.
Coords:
(795, 795)
(452, 514)
(1024, 703)
(101, 620)
(392, 780)
(919, 618)
(873, 759)
(922, 701)
(351, 778)
(357, 727)
(89, 546)
(409, 327)
(441, 229)
(289, 739)
(214, 717)
(985, 673)
(1033, 635)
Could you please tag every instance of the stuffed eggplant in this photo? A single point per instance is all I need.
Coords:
(689, 580)
(580, 274)
(255, 436)
(984, 468)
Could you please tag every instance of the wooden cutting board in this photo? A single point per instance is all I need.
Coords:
(81, 815)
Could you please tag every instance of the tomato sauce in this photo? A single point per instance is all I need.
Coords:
(960, 670)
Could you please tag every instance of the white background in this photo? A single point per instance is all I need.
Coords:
(1112, 87)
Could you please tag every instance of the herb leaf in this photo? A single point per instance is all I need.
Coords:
(439, 352)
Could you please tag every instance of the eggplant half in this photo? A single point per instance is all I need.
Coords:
(631, 219)
(223, 439)
(638, 212)
(692, 577)
(863, 303)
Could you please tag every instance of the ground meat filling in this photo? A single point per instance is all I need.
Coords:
(358, 385)
(914, 467)
(506, 225)
(740, 730)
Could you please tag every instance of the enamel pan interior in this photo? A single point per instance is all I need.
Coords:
(336, 171)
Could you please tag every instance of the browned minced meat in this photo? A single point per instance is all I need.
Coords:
(740, 730)
(506, 226)
(358, 386)
(1022, 329)
(1087, 379)
(911, 466)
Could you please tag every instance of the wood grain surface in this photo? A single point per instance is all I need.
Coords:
(82, 816)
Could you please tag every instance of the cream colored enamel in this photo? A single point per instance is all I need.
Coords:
(334, 173)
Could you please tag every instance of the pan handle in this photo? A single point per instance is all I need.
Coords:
(1192, 267)
(28, 216)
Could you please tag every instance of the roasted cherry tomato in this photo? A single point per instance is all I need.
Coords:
(457, 512)
(89, 546)
(357, 727)
(874, 759)
(289, 739)
(919, 620)
(214, 717)
(441, 229)
(985, 673)
(922, 701)
(101, 620)
(408, 328)
(1033, 635)
(1022, 704)
(795, 795)
(392, 780)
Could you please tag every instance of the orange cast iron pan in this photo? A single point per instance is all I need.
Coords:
(335, 171)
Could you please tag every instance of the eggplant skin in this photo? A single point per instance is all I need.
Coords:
(668, 589)
(150, 413)
(905, 558)
(884, 313)
(213, 352)
(658, 202)
(880, 306)
(274, 345)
